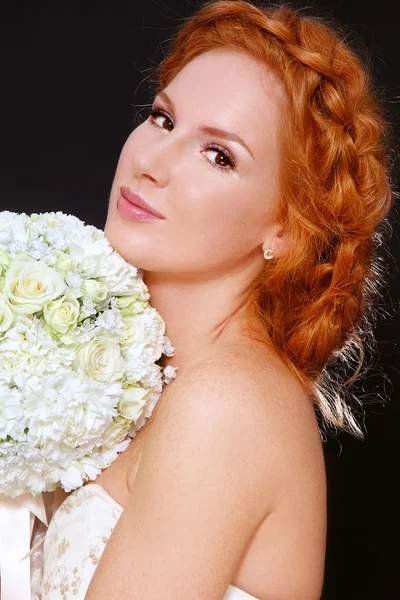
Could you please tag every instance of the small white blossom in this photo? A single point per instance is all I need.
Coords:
(169, 349)
(111, 320)
(17, 247)
(169, 373)
(56, 237)
(74, 281)
(88, 307)
(49, 259)
(83, 333)
(38, 248)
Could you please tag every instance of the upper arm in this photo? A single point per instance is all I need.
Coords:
(199, 494)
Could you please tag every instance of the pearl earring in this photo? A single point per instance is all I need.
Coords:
(268, 254)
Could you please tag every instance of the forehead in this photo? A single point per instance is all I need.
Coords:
(229, 89)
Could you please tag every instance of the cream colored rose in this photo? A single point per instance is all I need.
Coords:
(100, 359)
(6, 315)
(96, 290)
(133, 401)
(64, 264)
(29, 285)
(62, 314)
(131, 305)
(5, 260)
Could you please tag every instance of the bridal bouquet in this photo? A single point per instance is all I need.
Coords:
(79, 373)
(79, 345)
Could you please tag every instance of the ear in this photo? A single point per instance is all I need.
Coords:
(275, 239)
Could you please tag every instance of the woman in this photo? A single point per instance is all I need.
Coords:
(264, 159)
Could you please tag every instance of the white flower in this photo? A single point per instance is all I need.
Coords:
(11, 414)
(111, 320)
(169, 374)
(21, 467)
(132, 402)
(14, 231)
(147, 410)
(88, 308)
(62, 314)
(17, 247)
(83, 333)
(64, 262)
(120, 277)
(169, 349)
(151, 377)
(144, 336)
(100, 358)
(96, 290)
(38, 248)
(129, 306)
(115, 433)
(56, 237)
(26, 349)
(29, 285)
(74, 281)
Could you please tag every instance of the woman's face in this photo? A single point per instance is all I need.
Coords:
(217, 195)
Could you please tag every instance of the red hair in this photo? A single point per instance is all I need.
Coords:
(312, 303)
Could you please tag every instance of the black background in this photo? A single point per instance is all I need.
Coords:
(75, 75)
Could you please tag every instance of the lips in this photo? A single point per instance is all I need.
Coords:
(140, 202)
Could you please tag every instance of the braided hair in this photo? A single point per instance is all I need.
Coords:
(314, 303)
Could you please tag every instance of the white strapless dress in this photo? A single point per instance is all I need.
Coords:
(75, 540)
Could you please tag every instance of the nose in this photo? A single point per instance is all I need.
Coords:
(150, 162)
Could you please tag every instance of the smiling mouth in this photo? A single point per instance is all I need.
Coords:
(139, 202)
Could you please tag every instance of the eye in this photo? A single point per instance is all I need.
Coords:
(224, 160)
(156, 117)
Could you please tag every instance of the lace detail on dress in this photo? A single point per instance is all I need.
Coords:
(75, 540)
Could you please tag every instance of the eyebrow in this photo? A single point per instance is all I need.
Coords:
(214, 131)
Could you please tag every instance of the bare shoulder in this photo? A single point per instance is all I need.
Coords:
(248, 396)
(252, 382)
(224, 454)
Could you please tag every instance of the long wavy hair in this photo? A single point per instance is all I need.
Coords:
(314, 303)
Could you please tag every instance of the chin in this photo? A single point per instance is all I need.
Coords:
(136, 247)
(124, 249)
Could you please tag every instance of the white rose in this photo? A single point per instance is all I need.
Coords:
(100, 359)
(96, 290)
(62, 314)
(64, 263)
(29, 285)
(131, 305)
(6, 315)
(133, 401)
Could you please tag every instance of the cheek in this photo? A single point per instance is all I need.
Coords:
(223, 218)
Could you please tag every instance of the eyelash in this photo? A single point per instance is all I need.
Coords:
(228, 157)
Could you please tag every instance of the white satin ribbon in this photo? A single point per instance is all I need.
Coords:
(17, 516)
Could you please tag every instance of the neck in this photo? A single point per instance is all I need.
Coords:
(201, 316)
